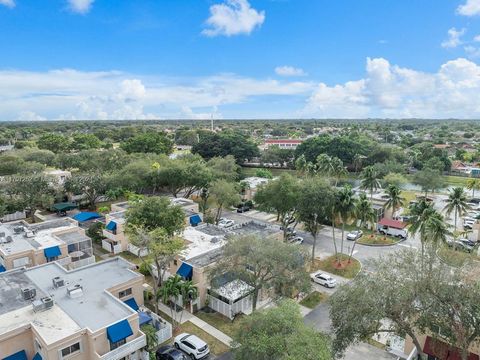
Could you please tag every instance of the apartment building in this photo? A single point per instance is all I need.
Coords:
(436, 349)
(51, 313)
(23, 244)
(288, 144)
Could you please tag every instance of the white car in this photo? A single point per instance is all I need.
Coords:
(226, 223)
(324, 280)
(192, 345)
(468, 224)
(296, 240)
(354, 235)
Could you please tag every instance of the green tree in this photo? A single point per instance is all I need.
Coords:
(331, 167)
(473, 184)
(85, 141)
(264, 173)
(395, 179)
(281, 197)
(224, 194)
(151, 337)
(54, 142)
(264, 263)
(177, 290)
(151, 142)
(456, 203)
(91, 185)
(279, 333)
(421, 215)
(224, 168)
(428, 180)
(370, 180)
(345, 205)
(315, 200)
(364, 210)
(394, 198)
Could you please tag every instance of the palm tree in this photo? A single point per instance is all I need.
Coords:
(151, 337)
(457, 203)
(331, 167)
(437, 229)
(357, 162)
(364, 210)
(395, 199)
(189, 292)
(420, 214)
(170, 292)
(370, 180)
(346, 208)
(473, 184)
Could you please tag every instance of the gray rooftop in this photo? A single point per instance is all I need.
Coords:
(96, 308)
(73, 237)
(206, 258)
(11, 284)
(212, 230)
(254, 228)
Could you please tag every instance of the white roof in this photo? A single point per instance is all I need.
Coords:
(234, 290)
(255, 181)
(199, 243)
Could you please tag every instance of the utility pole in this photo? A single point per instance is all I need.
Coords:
(211, 122)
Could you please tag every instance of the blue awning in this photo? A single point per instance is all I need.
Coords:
(185, 271)
(119, 331)
(144, 318)
(85, 216)
(132, 303)
(2, 269)
(111, 226)
(195, 220)
(21, 355)
(37, 357)
(52, 252)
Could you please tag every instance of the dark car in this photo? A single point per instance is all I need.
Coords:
(243, 208)
(468, 242)
(170, 353)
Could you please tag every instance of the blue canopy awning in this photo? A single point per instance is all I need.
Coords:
(144, 318)
(185, 271)
(52, 252)
(119, 331)
(195, 220)
(111, 226)
(2, 269)
(21, 355)
(132, 303)
(85, 216)
(37, 357)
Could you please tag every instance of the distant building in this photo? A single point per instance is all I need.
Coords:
(254, 182)
(289, 144)
(91, 313)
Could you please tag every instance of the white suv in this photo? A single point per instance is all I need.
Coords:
(192, 345)
(226, 223)
(324, 280)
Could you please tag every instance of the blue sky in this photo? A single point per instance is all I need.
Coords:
(88, 59)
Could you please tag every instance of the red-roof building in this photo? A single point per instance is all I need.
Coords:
(392, 223)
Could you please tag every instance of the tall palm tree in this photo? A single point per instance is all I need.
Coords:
(437, 229)
(370, 180)
(395, 199)
(456, 203)
(364, 210)
(345, 208)
(420, 214)
(330, 166)
(473, 184)
(357, 162)
(171, 291)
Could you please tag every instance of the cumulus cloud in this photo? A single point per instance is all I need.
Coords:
(470, 8)
(188, 113)
(233, 17)
(391, 91)
(80, 6)
(30, 116)
(289, 71)
(8, 3)
(454, 38)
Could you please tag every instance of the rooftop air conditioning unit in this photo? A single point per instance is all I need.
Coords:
(38, 305)
(30, 234)
(75, 291)
(58, 282)
(214, 240)
(18, 229)
(2, 234)
(8, 239)
(29, 293)
(47, 302)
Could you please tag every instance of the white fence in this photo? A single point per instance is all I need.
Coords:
(135, 250)
(242, 306)
(109, 247)
(19, 215)
(164, 328)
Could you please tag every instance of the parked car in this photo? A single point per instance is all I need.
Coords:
(226, 223)
(243, 208)
(192, 345)
(354, 235)
(295, 240)
(459, 245)
(468, 242)
(169, 353)
(324, 280)
(468, 224)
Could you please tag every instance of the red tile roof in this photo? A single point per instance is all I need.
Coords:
(392, 223)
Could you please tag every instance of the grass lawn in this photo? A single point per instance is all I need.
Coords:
(250, 171)
(134, 259)
(377, 239)
(456, 258)
(220, 322)
(216, 346)
(339, 267)
(313, 299)
(456, 180)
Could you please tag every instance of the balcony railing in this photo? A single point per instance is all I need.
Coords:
(126, 349)
(110, 235)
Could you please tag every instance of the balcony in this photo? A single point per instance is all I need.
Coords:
(126, 349)
(110, 235)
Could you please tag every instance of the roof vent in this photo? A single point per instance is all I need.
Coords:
(8, 239)
(29, 234)
(18, 229)
(75, 291)
(29, 293)
(58, 282)
(2, 234)
(42, 304)
(214, 240)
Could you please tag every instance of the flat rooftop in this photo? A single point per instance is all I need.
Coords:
(206, 259)
(21, 236)
(11, 284)
(95, 308)
(199, 243)
(254, 228)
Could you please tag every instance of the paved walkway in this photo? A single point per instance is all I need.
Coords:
(227, 340)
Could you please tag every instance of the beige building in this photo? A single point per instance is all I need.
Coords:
(23, 244)
(51, 313)
(436, 349)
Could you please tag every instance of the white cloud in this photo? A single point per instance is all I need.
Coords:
(80, 6)
(30, 116)
(8, 3)
(454, 38)
(233, 17)
(470, 8)
(188, 113)
(472, 51)
(476, 38)
(289, 71)
(391, 91)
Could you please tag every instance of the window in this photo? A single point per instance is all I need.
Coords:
(125, 292)
(51, 259)
(175, 262)
(70, 350)
(113, 346)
